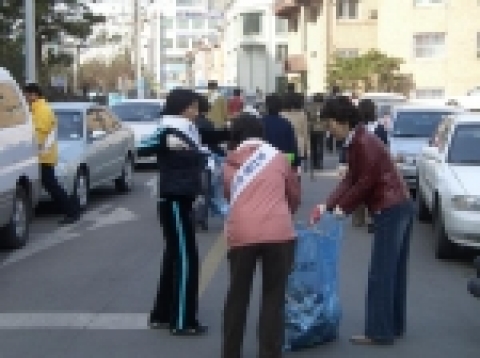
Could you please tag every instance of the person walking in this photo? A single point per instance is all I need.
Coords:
(278, 131)
(264, 192)
(180, 164)
(373, 179)
(218, 106)
(45, 124)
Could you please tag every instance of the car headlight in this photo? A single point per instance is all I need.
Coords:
(466, 203)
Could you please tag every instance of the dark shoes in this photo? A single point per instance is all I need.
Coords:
(197, 330)
(68, 220)
(367, 341)
(158, 325)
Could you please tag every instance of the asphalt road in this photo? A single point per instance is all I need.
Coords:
(85, 290)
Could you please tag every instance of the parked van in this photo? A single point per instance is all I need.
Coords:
(19, 167)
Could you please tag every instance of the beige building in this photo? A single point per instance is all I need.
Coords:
(439, 40)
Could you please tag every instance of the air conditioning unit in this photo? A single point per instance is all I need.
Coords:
(373, 14)
(478, 53)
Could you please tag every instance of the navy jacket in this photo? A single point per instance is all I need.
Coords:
(279, 132)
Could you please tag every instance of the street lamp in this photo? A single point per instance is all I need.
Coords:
(30, 56)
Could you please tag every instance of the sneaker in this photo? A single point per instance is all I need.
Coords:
(197, 330)
(67, 220)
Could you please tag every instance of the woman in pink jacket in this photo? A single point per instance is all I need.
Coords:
(263, 192)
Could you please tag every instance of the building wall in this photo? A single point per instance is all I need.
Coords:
(250, 60)
(453, 73)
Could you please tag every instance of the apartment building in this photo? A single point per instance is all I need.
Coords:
(254, 45)
(438, 40)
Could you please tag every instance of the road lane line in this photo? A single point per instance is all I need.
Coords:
(74, 320)
(211, 262)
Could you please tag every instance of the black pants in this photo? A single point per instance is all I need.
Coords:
(277, 261)
(177, 296)
(67, 205)
(316, 149)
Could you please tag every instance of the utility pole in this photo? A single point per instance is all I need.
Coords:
(137, 23)
(30, 55)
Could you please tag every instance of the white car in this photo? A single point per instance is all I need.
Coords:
(448, 183)
(143, 116)
(19, 167)
(94, 148)
(413, 126)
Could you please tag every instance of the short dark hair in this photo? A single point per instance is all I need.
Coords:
(342, 110)
(212, 85)
(366, 110)
(203, 104)
(318, 98)
(291, 87)
(237, 92)
(273, 104)
(245, 126)
(33, 88)
(178, 100)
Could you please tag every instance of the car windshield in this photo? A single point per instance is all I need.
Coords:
(138, 112)
(419, 124)
(70, 125)
(464, 148)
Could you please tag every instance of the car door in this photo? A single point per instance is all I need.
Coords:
(114, 140)
(97, 155)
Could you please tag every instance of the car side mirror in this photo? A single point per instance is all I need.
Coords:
(97, 134)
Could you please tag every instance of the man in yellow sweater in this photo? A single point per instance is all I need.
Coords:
(45, 125)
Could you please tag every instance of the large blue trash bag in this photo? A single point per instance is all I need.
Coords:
(218, 204)
(313, 311)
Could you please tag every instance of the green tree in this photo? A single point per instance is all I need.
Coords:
(56, 20)
(372, 71)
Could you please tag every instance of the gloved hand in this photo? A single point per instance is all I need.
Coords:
(317, 213)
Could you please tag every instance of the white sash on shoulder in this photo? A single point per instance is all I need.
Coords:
(251, 168)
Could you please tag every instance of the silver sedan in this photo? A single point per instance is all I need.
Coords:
(94, 149)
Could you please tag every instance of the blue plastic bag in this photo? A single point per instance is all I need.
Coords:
(218, 204)
(312, 312)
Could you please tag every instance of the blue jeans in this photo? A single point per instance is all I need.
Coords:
(387, 279)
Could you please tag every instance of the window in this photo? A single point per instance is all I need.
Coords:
(188, 2)
(464, 145)
(70, 125)
(183, 41)
(12, 112)
(94, 124)
(198, 23)
(168, 23)
(429, 93)
(168, 43)
(110, 123)
(293, 24)
(252, 23)
(213, 23)
(347, 9)
(281, 25)
(428, 2)
(183, 23)
(281, 53)
(138, 112)
(347, 52)
(429, 44)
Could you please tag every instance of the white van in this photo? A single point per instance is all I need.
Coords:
(19, 167)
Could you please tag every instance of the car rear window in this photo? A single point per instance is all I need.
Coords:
(70, 125)
(464, 148)
(419, 124)
(138, 112)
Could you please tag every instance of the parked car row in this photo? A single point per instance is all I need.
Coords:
(94, 148)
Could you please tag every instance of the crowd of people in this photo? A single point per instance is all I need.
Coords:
(262, 185)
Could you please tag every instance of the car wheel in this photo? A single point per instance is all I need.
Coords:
(81, 190)
(125, 182)
(422, 210)
(18, 228)
(444, 248)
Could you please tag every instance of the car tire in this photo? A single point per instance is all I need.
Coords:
(81, 190)
(15, 234)
(444, 248)
(124, 183)
(423, 213)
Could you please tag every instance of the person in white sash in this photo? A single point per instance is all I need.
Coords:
(264, 192)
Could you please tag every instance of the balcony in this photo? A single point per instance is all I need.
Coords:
(287, 8)
(296, 64)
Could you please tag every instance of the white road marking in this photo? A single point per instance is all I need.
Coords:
(61, 320)
(152, 184)
(100, 216)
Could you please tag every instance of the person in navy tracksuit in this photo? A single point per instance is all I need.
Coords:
(180, 165)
